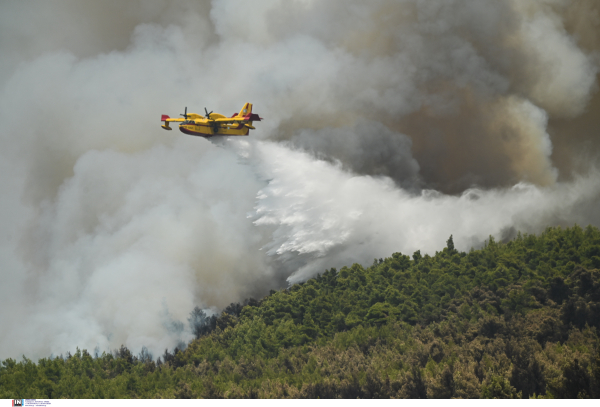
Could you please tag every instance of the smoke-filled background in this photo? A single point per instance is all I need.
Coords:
(389, 125)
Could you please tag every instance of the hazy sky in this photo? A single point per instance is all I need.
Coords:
(389, 125)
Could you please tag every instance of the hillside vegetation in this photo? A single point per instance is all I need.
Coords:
(514, 320)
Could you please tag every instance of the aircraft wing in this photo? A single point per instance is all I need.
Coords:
(166, 118)
(230, 120)
(253, 117)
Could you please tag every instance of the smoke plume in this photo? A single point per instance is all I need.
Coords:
(389, 126)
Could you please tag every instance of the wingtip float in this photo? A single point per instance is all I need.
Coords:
(215, 124)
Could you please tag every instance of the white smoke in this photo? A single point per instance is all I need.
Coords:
(332, 217)
(112, 230)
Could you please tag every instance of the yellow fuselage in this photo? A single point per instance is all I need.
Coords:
(207, 128)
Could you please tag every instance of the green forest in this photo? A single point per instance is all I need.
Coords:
(511, 320)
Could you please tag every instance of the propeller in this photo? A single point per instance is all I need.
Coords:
(185, 114)
(215, 125)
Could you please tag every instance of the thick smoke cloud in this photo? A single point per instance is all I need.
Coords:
(389, 126)
(368, 147)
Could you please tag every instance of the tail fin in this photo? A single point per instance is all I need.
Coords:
(246, 110)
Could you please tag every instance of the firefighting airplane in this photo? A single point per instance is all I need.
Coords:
(215, 124)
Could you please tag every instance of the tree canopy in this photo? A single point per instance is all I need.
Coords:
(511, 320)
